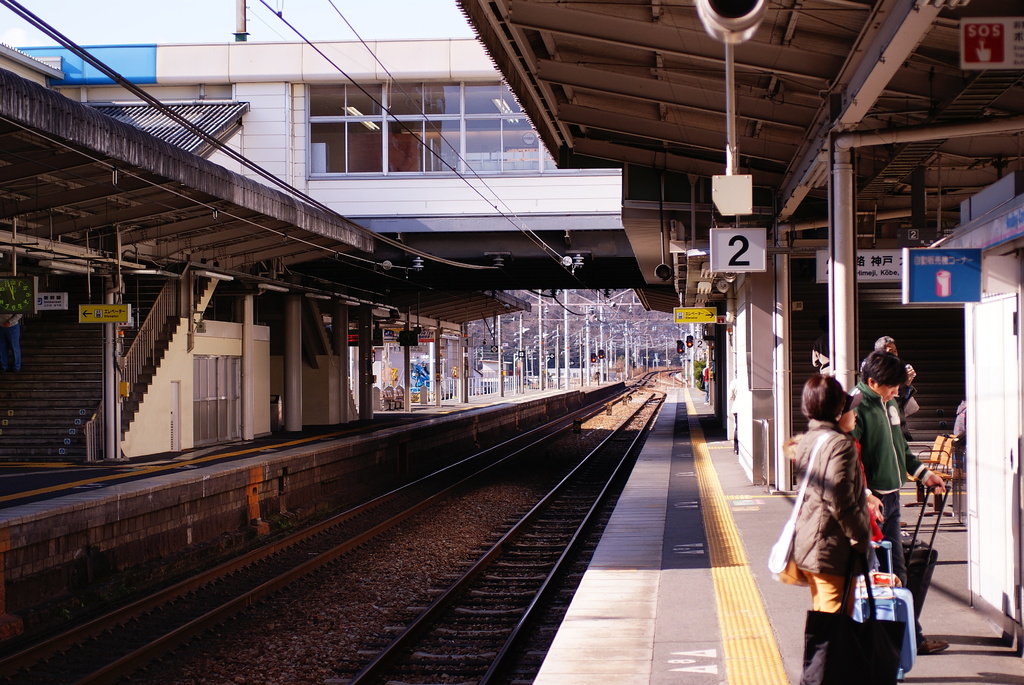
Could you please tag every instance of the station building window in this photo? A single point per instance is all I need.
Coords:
(420, 128)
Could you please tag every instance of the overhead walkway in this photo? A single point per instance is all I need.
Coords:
(678, 590)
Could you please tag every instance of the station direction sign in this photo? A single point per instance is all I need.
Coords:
(104, 313)
(695, 315)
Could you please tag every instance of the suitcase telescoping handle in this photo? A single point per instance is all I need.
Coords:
(938, 519)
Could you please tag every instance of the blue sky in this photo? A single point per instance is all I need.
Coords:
(109, 22)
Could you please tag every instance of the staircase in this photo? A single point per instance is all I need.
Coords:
(156, 306)
(45, 406)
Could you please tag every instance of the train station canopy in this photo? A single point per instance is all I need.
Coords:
(640, 83)
(89, 191)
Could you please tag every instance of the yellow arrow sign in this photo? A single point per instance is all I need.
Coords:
(104, 313)
(695, 314)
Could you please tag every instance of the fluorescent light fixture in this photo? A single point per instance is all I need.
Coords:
(214, 275)
(273, 288)
(154, 272)
(318, 296)
(354, 111)
(501, 105)
(370, 125)
(67, 267)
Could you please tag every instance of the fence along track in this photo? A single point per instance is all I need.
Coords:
(471, 631)
(116, 644)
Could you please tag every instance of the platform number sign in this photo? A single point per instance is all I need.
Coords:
(738, 249)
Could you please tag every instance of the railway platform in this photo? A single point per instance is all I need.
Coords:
(679, 591)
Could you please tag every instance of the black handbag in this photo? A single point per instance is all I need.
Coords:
(841, 651)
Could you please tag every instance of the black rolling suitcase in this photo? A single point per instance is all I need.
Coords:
(921, 557)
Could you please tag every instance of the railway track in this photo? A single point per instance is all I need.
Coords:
(116, 644)
(477, 629)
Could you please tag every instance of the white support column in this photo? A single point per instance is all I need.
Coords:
(248, 370)
(407, 369)
(438, 374)
(111, 404)
(843, 270)
(501, 357)
(464, 361)
(365, 356)
(292, 362)
(339, 341)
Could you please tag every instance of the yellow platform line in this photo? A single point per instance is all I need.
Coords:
(751, 654)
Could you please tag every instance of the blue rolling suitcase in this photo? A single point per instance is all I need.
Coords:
(891, 604)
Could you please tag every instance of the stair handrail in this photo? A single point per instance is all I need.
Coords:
(93, 430)
(143, 348)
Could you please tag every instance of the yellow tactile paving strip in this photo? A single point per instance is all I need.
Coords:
(751, 653)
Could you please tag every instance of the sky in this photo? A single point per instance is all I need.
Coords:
(119, 22)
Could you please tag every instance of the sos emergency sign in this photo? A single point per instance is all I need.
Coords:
(992, 43)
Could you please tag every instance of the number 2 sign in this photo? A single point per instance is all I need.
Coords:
(738, 249)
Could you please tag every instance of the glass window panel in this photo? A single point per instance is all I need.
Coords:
(405, 149)
(441, 98)
(406, 99)
(547, 162)
(484, 99)
(327, 148)
(327, 101)
(443, 139)
(362, 103)
(509, 101)
(483, 145)
(364, 151)
(519, 145)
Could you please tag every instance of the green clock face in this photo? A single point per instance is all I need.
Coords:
(18, 294)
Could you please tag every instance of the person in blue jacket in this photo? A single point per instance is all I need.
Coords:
(887, 459)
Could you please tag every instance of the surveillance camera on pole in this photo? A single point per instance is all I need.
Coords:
(731, 21)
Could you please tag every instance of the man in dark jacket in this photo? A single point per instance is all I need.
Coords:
(887, 460)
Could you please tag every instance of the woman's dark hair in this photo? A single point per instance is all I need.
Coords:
(885, 368)
(823, 398)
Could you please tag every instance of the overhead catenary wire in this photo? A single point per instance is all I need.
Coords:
(110, 73)
(521, 227)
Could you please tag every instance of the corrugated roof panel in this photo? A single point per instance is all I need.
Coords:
(216, 120)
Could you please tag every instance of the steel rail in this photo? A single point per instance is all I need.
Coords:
(490, 458)
(373, 671)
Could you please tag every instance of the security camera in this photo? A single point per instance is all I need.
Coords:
(663, 271)
(731, 21)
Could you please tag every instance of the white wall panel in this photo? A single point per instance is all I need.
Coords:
(993, 424)
(193, 64)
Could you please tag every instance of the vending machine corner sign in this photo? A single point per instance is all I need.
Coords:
(941, 276)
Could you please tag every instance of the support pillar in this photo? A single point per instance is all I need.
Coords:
(365, 315)
(248, 370)
(292, 362)
(438, 374)
(339, 341)
(842, 281)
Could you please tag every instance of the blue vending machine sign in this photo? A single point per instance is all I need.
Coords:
(941, 276)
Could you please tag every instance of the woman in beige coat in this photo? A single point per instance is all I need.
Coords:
(833, 521)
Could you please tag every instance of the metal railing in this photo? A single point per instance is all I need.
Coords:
(143, 349)
(93, 430)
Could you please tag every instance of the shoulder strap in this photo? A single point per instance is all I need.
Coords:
(807, 475)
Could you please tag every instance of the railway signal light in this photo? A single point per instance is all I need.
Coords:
(600, 354)
(689, 341)
(679, 346)
(593, 357)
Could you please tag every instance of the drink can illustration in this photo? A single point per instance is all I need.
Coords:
(943, 283)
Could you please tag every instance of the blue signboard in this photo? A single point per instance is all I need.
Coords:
(941, 276)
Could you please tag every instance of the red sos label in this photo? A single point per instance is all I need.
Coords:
(984, 43)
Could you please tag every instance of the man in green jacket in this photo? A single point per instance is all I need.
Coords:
(887, 459)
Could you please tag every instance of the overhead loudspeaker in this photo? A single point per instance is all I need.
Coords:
(731, 21)
(663, 271)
